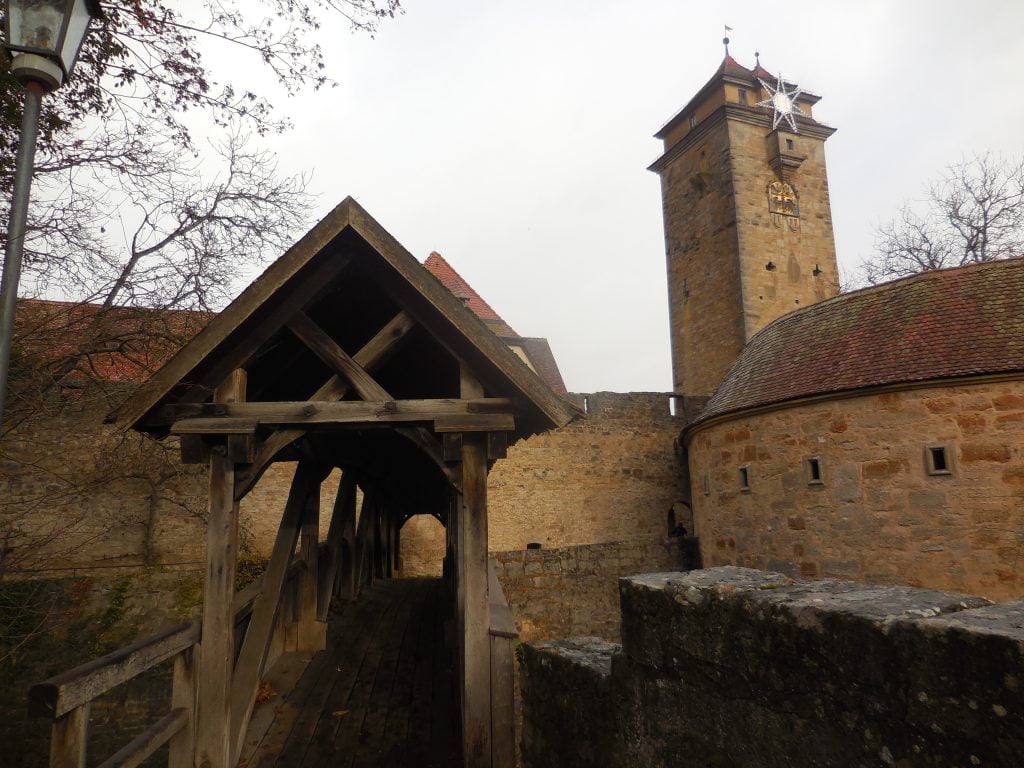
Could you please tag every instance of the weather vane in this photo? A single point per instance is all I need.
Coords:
(725, 40)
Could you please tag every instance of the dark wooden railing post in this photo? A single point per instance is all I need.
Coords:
(68, 738)
(183, 695)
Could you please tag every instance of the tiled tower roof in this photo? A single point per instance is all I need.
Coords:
(937, 325)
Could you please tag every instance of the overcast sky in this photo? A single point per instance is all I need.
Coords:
(513, 138)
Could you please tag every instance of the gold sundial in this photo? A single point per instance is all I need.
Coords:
(782, 103)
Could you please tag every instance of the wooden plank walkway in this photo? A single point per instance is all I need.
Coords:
(380, 696)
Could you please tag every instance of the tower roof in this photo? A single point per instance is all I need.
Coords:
(728, 70)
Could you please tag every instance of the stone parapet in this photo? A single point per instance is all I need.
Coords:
(736, 667)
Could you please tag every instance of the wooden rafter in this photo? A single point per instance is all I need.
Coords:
(314, 337)
(373, 353)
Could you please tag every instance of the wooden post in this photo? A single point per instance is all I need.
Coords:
(364, 542)
(253, 656)
(183, 695)
(347, 573)
(338, 534)
(312, 634)
(217, 648)
(472, 575)
(67, 738)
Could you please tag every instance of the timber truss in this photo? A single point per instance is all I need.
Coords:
(346, 353)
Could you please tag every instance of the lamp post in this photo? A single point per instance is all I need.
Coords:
(44, 37)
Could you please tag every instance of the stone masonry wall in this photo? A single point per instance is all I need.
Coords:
(78, 497)
(736, 668)
(796, 246)
(704, 293)
(877, 515)
(100, 500)
(574, 590)
(610, 477)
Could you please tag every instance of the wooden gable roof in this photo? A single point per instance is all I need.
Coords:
(352, 277)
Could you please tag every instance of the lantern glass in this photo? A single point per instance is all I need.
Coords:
(74, 34)
(35, 25)
(51, 28)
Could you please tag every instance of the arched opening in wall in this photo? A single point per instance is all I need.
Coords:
(680, 519)
(422, 546)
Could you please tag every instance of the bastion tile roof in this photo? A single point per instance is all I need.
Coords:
(937, 325)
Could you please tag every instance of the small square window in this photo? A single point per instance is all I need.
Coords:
(938, 460)
(693, 120)
(814, 476)
(743, 95)
(745, 479)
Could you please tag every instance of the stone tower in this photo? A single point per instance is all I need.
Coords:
(748, 226)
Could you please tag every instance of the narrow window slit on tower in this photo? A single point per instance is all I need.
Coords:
(693, 120)
(672, 406)
(744, 478)
(789, 144)
(937, 460)
(814, 471)
(743, 95)
(586, 404)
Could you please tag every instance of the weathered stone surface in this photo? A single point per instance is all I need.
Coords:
(555, 678)
(741, 668)
(877, 510)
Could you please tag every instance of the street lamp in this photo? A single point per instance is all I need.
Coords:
(44, 37)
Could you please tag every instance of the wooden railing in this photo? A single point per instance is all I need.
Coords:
(503, 637)
(67, 698)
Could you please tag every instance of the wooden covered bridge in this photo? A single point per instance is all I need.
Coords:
(346, 353)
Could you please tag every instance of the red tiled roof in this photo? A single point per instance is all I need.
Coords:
(943, 324)
(454, 282)
(138, 340)
(543, 359)
(538, 351)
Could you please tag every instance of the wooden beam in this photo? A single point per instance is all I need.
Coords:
(473, 579)
(314, 337)
(354, 413)
(253, 656)
(135, 752)
(217, 647)
(373, 353)
(491, 422)
(70, 690)
(215, 427)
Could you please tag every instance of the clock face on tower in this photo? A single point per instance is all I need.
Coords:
(782, 103)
